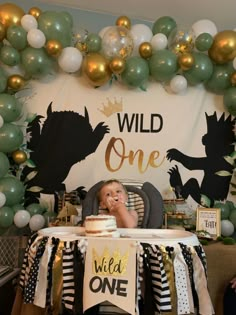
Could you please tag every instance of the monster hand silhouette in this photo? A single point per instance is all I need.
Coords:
(174, 155)
(176, 181)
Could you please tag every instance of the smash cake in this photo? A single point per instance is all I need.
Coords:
(101, 225)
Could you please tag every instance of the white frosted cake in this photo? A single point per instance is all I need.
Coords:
(101, 225)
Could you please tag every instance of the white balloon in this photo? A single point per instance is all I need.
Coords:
(140, 33)
(234, 63)
(21, 218)
(36, 38)
(159, 41)
(1, 121)
(28, 22)
(227, 228)
(178, 84)
(204, 26)
(36, 222)
(70, 59)
(2, 199)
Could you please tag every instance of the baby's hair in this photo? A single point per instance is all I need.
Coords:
(108, 182)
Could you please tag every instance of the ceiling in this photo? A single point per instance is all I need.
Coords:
(185, 12)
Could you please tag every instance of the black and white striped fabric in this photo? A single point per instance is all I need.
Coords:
(68, 290)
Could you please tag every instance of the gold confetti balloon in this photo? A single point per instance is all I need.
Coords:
(15, 82)
(117, 65)
(181, 40)
(186, 61)
(19, 156)
(145, 50)
(35, 12)
(124, 21)
(223, 48)
(10, 14)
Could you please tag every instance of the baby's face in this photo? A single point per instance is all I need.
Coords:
(113, 191)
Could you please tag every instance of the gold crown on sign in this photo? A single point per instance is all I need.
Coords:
(111, 107)
(110, 264)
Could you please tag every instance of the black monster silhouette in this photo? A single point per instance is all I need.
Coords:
(66, 138)
(218, 142)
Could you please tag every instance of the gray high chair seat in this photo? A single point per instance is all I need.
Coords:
(144, 198)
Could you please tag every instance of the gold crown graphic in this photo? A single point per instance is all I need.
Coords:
(111, 107)
(110, 265)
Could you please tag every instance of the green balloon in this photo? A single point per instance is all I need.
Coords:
(17, 207)
(232, 217)
(229, 100)
(10, 107)
(4, 164)
(201, 70)
(17, 36)
(11, 137)
(163, 65)
(164, 25)
(13, 189)
(34, 208)
(224, 210)
(6, 217)
(10, 56)
(93, 42)
(204, 41)
(55, 26)
(3, 80)
(68, 18)
(136, 72)
(36, 62)
(220, 79)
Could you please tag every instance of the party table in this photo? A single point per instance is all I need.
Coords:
(144, 271)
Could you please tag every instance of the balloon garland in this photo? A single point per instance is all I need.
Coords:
(37, 42)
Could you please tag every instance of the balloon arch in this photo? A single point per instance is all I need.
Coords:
(35, 43)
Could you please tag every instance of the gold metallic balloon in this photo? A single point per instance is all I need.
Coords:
(145, 50)
(35, 12)
(53, 47)
(19, 156)
(186, 61)
(233, 79)
(2, 31)
(223, 48)
(96, 68)
(124, 21)
(10, 14)
(117, 65)
(15, 82)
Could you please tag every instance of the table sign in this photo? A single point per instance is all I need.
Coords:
(110, 273)
(208, 219)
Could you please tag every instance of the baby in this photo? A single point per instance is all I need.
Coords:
(112, 197)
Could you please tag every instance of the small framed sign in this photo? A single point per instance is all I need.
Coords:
(208, 219)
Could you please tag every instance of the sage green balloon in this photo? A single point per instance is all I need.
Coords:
(68, 18)
(6, 217)
(10, 56)
(11, 137)
(4, 164)
(13, 189)
(93, 42)
(204, 41)
(55, 26)
(201, 71)
(220, 79)
(3, 81)
(229, 100)
(163, 65)
(136, 72)
(164, 25)
(10, 107)
(17, 207)
(17, 36)
(34, 208)
(36, 62)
